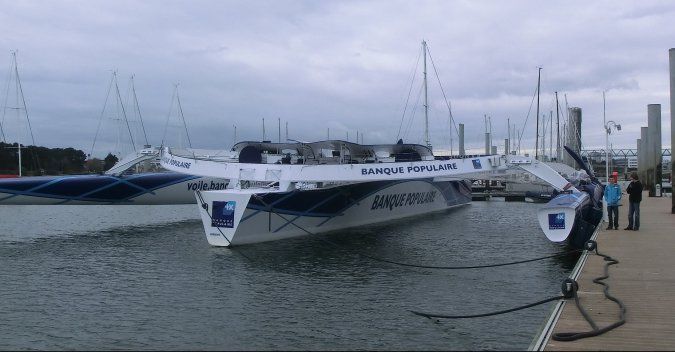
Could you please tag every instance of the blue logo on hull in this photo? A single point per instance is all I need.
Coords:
(223, 214)
(476, 164)
(556, 221)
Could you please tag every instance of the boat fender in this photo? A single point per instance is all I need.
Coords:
(569, 287)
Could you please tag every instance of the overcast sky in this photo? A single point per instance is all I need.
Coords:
(346, 66)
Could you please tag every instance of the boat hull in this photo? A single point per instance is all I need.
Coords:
(141, 189)
(571, 218)
(237, 218)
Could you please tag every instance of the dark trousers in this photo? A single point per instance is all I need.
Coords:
(634, 213)
(613, 216)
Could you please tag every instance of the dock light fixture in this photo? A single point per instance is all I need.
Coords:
(609, 125)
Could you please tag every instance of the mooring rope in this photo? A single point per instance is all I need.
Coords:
(569, 290)
(569, 286)
(571, 336)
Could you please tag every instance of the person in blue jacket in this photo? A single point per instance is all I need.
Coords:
(612, 197)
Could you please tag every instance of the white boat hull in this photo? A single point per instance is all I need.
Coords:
(237, 217)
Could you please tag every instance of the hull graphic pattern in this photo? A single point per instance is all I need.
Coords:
(143, 188)
(279, 215)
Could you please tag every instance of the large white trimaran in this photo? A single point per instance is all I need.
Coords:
(279, 191)
(283, 190)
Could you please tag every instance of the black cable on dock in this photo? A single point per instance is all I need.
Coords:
(571, 336)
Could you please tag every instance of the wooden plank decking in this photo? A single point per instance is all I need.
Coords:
(644, 280)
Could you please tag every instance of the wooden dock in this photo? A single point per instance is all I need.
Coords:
(644, 280)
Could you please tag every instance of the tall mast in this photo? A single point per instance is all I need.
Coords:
(426, 100)
(536, 143)
(557, 118)
(550, 134)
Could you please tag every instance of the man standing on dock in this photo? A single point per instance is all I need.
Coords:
(634, 191)
(612, 197)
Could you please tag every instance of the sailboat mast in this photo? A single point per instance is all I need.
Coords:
(550, 134)
(557, 117)
(536, 143)
(426, 97)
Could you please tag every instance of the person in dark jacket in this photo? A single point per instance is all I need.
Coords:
(634, 191)
(612, 197)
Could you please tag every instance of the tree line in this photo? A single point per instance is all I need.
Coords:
(36, 160)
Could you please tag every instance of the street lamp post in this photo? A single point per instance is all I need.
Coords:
(608, 130)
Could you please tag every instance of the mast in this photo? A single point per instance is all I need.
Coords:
(279, 118)
(263, 139)
(557, 117)
(550, 135)
(426, 97)
(536, 143)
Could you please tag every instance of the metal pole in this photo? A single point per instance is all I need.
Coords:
(557, 118)
(536, 143)
(462, 151)
(426, 100)
(644, 136)
(604, 123)
(654, 128)
(671, 55)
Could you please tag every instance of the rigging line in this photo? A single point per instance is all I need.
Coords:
(4, 107)
(412, 114)
(23, 98)
(138, 109)
(520, 136)
(36, 160)
(412, 81)
(124, 113)
(105, 103)
(323, 238)
(180, 108)
(447, 103)
(166, 125)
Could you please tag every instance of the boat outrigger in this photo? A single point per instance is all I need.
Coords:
(284, 190)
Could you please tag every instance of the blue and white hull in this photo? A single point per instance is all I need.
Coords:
(142, 188)
(236, 217)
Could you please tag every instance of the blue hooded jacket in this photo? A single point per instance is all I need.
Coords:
(612, 194)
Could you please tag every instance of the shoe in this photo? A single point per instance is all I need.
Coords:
(628, 228)
(616, 228)
(608, 228)
(635, 229)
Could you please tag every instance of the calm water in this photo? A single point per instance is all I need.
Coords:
(144, 277)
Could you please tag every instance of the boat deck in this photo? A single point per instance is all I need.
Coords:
(644, 280)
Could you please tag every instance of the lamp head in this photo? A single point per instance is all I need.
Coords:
(618, 127)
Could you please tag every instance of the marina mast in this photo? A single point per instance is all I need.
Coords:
(426, 100)
(536, 143)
